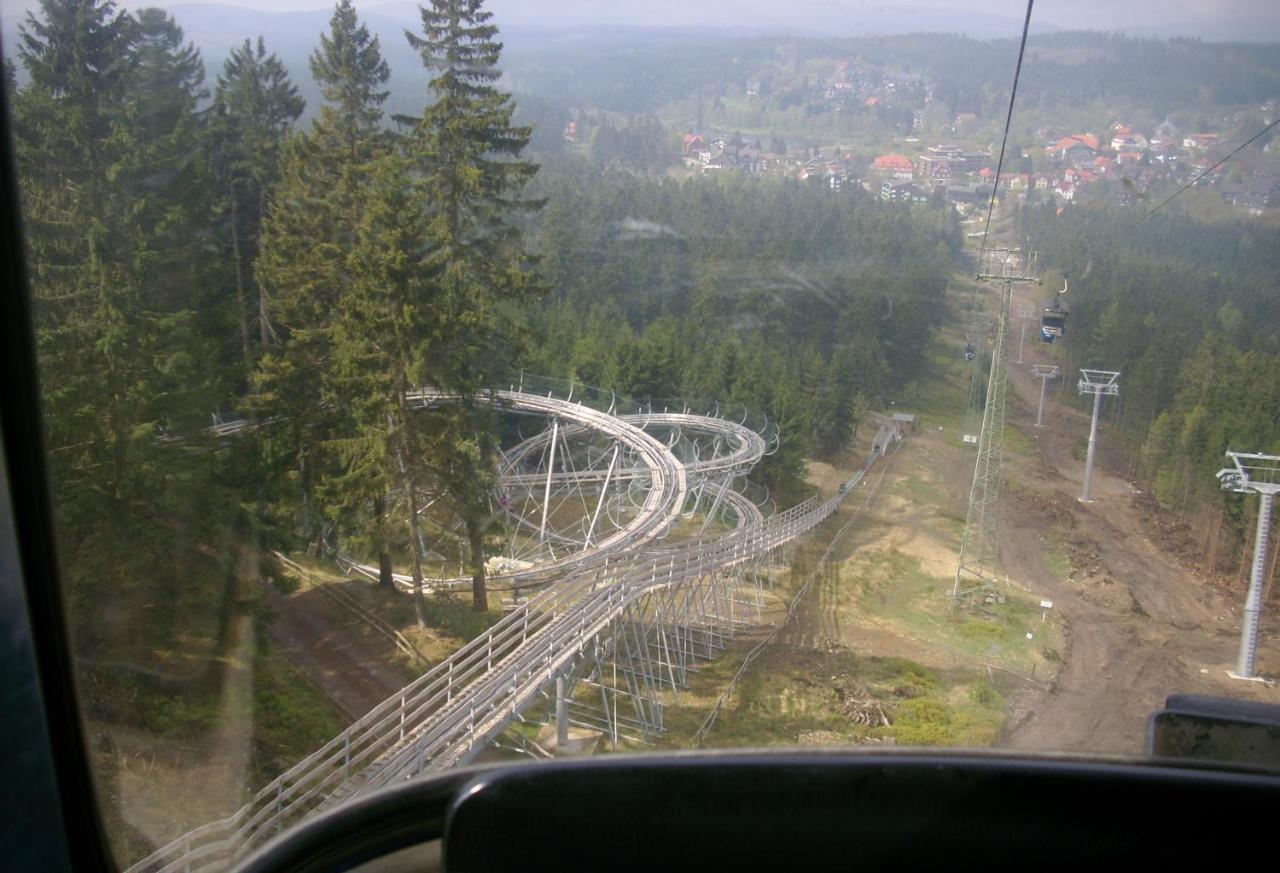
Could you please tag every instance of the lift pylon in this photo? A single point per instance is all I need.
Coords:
(975, 572)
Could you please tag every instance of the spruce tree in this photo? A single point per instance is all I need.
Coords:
(465, 156)
(255, 104)
(307, 238)
(73, 138)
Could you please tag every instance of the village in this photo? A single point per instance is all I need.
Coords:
(946, 159)
(1122, 166)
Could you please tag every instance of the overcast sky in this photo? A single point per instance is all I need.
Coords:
(1217, 19)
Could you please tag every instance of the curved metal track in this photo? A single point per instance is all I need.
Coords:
(445, 716)
(667, 478)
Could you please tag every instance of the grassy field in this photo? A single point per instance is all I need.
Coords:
(880, 652)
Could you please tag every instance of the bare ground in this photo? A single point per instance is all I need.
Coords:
(355, 667)
(1142, 623)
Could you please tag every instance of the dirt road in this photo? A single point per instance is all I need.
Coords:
(1140, 625)
(335, 649)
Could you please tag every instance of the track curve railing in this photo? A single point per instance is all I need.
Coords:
(443, 716)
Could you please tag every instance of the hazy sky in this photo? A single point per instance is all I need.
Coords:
(1081, 14)
(1257, 19)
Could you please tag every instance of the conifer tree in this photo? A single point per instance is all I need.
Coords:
(465, 155)
(307, 238)
(72, 139)
(255, 104)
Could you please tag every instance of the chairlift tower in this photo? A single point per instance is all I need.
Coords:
(1256, 474)
(1043, 372)
(1099, 383)
(976, 570)
(973, 411)
(1025, 314)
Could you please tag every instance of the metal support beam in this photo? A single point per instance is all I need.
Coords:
(603, 491)
(1257, 474)
(1097, 383)
(551, 466)
(1043, 372)
(562, 713)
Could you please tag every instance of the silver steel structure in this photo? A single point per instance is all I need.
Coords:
(1043, 372)
(602, 645)
(976, 569)
(1257, 474)
(1099, 383)
(1025, 314)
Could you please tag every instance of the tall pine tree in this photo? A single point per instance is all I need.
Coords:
(307, 238)
(255, 104)
(465, 154)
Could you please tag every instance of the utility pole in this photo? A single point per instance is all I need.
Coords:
(976, 569)
(1256, 474)
(1026, 313)
(1097, 383)
(1043, 372)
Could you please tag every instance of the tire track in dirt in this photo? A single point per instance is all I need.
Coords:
(1138, 625)
(334, 648)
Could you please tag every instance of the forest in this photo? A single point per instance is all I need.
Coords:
(1189, 313)
(197, 253)
(647, 73)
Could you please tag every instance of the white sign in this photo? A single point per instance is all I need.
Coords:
(1046, 604)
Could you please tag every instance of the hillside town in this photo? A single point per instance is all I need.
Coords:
(1122, 164)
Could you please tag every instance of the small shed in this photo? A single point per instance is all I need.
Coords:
(904, 423)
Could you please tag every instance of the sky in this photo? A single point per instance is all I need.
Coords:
(1213, 19)
(1069, 14)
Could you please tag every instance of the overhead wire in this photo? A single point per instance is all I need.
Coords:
(1008, 121)
(1237, 150)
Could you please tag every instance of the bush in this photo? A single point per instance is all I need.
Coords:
(923, 722)
(984, 695)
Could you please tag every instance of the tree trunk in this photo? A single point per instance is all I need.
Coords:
(304, 474)
(479, 594)
(419, 607)
(265, 334)
(384, 559)
(242, 294)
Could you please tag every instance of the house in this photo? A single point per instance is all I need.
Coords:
(934, 166)
(1040, 181)
(1067, 143)
(894, 166)
(1254, 192)
(1200, 141)
(692, 144)
(904, 423)
(902, 191)
(722, 159)
(571, 131)
(1103, 165)
(958, 194)
(1066, 190)
(1128, 157)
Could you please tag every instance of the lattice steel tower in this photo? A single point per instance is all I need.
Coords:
(976, 570)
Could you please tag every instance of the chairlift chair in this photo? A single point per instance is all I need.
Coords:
(1053, 323)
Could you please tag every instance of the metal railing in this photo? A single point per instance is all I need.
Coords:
(437, 719)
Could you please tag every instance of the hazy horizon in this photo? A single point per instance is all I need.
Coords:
(1253, 20)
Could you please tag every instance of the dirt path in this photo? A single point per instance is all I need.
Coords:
(1140, 625)
(335, 649)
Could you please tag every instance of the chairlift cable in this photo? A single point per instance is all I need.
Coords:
(1008, 121)
(1190, 184)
